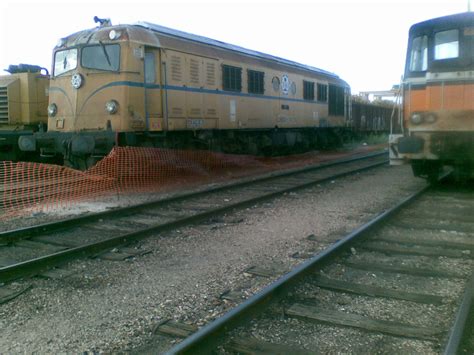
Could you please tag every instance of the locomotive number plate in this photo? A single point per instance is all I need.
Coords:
(194, 123)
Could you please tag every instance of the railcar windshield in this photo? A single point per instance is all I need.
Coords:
(65, 61)
(419, 54)
(101, 57)
(446, 45)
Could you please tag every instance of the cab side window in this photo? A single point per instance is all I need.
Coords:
(149, 68)
(419, 54)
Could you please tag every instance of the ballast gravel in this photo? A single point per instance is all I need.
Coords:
(116, 306)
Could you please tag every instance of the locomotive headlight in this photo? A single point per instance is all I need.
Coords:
(77, 80)
(61, 42)
(114, 35)
(430, 118)
(416, 118)
(111, 107)
(52, 110)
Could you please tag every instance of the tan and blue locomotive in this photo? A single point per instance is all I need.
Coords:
(23, 104)
(438, 98)
(147, 85)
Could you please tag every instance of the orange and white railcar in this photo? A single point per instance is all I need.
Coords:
(438, 98)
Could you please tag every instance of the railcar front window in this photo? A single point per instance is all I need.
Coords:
(446, 45)
(419, 54)
(101, 57)
(65, 61)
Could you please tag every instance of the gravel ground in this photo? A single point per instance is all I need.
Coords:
(107, 306)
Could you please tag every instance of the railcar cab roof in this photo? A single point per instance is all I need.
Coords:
(422, 37)
(442, 23)
(102, 34)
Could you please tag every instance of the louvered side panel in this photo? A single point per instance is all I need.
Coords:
(3, 105)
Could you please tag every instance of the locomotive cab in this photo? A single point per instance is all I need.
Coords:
(96, 93)
(438, 97)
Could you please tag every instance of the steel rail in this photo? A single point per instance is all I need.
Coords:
(462, 316)
(8, 236)
(34, 266)
(204, 340)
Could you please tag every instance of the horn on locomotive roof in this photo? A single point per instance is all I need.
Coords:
(103, 22)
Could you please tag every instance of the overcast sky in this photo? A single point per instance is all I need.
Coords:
(364, 42)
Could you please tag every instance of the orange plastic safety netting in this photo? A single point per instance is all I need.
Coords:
(31, 187)
(27, 186)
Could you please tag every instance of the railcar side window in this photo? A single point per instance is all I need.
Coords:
(255, 82)
(231, 78)
(419, 54)
(446, 45)
(102, 57)
(336, 100)
(65, 61)
(308, 90)
(322, 92)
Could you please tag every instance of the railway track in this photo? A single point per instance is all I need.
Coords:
(34, 250)
(402, 283)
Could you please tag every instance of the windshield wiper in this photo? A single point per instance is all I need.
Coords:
(105, 53)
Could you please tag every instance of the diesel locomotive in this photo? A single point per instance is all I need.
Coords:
(148, 85)
(438, 98)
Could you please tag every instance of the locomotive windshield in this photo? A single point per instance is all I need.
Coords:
(419, 54)
(65, 61)
(446, 45)
(102, 57)
(440, 48)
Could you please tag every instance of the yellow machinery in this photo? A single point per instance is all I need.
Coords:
(23, 107)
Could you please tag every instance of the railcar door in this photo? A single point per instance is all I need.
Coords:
(153, 90)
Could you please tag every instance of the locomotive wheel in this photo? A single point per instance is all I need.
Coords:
(80, 162)
(10, 153)
(462, 172)
(427, 169)
(417, 167)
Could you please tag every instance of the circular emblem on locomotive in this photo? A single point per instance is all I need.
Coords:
(285, 84)
(76, 81)
(293, 88)
(276, 83)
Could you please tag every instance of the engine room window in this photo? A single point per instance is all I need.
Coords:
(419, 54)
(255, 82)
(308, 90)
(322, 92)
(231, 78)
(65, 61)
(336, 100)
(102, 57)
(446, 45)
